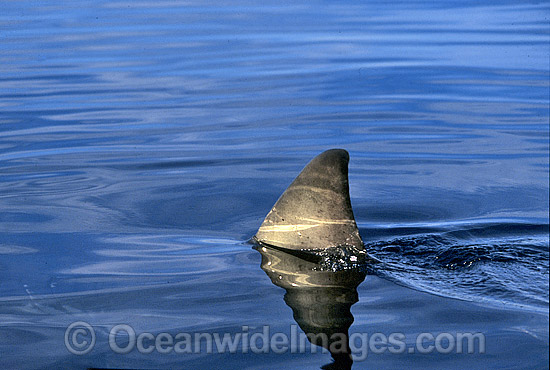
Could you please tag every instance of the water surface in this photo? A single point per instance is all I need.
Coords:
(142, 143)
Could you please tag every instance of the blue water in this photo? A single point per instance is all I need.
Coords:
(142, 144)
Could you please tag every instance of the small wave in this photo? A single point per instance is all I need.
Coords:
(505, 263)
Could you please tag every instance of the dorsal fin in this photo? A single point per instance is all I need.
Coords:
(315, 210)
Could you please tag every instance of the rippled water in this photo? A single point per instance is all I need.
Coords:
(142, 143)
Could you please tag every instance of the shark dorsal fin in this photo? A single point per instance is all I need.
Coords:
(315, 210)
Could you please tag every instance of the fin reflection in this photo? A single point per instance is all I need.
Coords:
(320, 300)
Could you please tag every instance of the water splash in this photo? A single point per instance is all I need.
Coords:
(343, 258)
